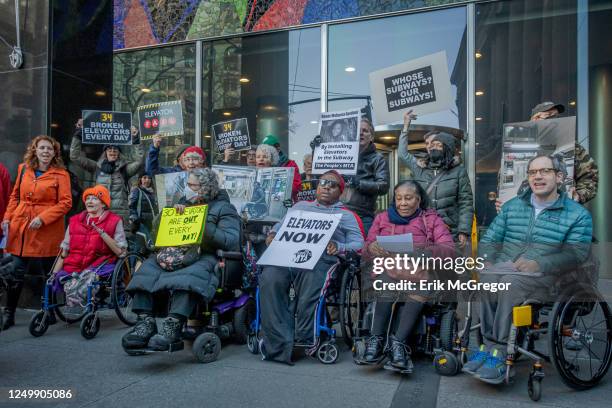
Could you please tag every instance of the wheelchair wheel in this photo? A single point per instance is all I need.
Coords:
(448, 330)
(253, 343)
(206, 347)
(580, 337)
(327, 353)
(39, 323)
(243, 316)
(122, 275)
(534, 388)
(351, 310)
(90, 326)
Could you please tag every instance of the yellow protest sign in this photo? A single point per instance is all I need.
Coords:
(181, 229)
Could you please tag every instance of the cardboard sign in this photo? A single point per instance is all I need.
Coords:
(422, 85)
(181, 229)
(163, 119)
(339, 149)
(301, 239)
(105, 127)
(233, 133)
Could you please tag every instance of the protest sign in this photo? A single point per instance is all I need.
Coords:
(301, 239)
(308, 190)
(422, 85)
(257, 193)
(522, 141)
(181, 229)
(339, 149)
(105, 127)
(233, 133)
(170, 187)
(162, 118)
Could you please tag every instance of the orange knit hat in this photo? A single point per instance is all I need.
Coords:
(100, 192)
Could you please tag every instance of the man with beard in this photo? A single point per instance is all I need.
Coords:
(444, 179)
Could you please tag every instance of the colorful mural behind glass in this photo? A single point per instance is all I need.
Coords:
(140, 23)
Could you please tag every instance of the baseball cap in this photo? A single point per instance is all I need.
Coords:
(546, 106)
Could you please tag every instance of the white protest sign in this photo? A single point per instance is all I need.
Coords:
(421, 84)
(339, 149)
(301, 239)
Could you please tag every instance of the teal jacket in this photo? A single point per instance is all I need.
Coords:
(558, 239)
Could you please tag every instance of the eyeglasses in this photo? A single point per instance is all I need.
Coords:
(543, 172)
(328, 183)
(194, 186)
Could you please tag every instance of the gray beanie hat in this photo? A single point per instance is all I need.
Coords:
(446, 139)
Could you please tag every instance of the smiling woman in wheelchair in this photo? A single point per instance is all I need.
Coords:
(93, 241)
(186, 273)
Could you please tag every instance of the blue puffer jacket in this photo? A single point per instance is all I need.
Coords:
(558, 239)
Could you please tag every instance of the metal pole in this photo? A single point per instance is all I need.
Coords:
(198, 95)
(471, 90)
(324, 67)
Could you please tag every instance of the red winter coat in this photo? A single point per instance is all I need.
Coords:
(428, 230)
(297, 179)
(87, 248)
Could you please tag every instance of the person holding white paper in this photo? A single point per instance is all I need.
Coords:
(408, 213)
(280, 331)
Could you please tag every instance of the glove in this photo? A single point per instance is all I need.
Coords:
(316, 141)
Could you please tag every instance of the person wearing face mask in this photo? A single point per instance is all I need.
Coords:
(94, 239)
(372, 179)
(187, 158)
(444, 179)
(184, 273)
(112, 170)
(34, 217)
(408, 214)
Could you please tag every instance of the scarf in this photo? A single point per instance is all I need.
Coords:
(282, 159)
(397, 219)
(108, 167)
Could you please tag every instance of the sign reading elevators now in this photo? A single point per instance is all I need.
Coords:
(104, 127)
(421, 84)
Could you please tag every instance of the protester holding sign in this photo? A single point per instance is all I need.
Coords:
(372, 179)
(187, 158)
(187, 273)
(408, 214)
(111, 170)
(284, 161)
(275, 282)
(143, 205)
(445, 180)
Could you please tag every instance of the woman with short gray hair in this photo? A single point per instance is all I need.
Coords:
(266, 156)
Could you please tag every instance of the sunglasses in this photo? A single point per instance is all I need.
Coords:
(328, 183)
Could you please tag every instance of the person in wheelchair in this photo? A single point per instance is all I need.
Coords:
(538, 237)
(94, 240)
(280, 330)
(185, 273)
(408, 214)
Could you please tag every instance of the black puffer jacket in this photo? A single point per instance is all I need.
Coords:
(371, 181)
(451, 197)
(222, 231)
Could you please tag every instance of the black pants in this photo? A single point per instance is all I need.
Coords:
(279, 325)
(43, 265)
(406, 315)
(182, 303)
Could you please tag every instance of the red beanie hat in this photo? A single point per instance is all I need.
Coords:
(339, 177)
(195, 149)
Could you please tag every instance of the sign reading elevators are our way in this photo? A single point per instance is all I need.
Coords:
(162, 119)
(105, 127)
(421, 84)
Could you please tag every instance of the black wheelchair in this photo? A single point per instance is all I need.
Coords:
(577, 326)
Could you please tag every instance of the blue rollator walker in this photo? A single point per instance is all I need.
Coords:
(102, 294)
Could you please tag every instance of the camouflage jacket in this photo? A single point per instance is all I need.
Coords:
(585, 175)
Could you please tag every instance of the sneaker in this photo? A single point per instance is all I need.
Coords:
(399, 356)
(374, 349)
(493, 371)
(169, 333)
(476, 360)
(138, 337)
